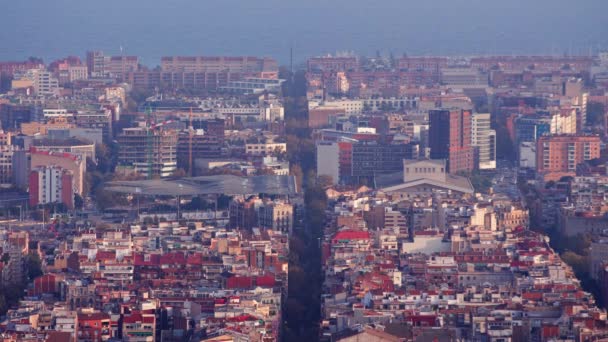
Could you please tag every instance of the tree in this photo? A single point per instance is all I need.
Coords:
(179, 173)
(595, 114)
(296, 171)
(78, 202)
(579, 263)
(106, 199)
(33, 266)
(481, 183)
(325, 181)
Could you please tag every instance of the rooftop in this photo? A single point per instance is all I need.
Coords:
(208, 185)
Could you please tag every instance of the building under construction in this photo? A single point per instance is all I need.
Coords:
(149, 151)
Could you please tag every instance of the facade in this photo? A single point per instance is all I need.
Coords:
(423, 178)
(10, 171)
(51, 184)
(327, 160)
(13, 115)
(450, 138)
(483, 137)
(211, 64)
(32, 128)
(96, 64)
(332, 64)
(101, 119)
(539, 63)
(463, 78)
(74, 146)
(264, 149)
(72, 163)
(564, 121)
(45, 83)
(93, 327)
(350, 161)
(370, 159)
(202, 145)
(148, 151)
(558, 155)
(203, 72)
(276, 216)
(139, 327)
(528, 128)
(527, 155)
(117, 67)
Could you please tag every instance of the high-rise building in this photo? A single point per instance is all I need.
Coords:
(558, 155)
(450, 138)
(148, 151)
(483, 137)
(96, 64)
(51, 184)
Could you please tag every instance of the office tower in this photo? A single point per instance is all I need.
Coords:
(483, 138)
(450, 138)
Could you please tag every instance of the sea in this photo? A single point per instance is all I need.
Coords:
(53, 29)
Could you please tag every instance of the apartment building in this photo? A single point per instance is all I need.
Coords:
(72, 163)
(558, 155)
(276, 216)
(51, 184)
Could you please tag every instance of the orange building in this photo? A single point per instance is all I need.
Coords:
(558, 155)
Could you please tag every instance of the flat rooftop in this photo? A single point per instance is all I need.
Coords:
(208, 185)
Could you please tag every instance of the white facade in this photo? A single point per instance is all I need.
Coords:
(77, 72)
(484, 138)
(55, 113)
(265, 149)
(347, 106)
(426, 244)
(49, 184)
(527, 154)
(564, 123)
(327, 160)
(45, 83)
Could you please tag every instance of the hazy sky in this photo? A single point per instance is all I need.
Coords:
(153, 28)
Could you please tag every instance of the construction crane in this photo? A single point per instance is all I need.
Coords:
(190, 134)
